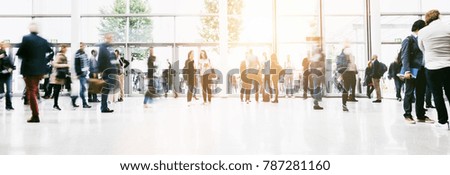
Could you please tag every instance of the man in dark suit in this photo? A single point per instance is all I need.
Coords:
(33, 51)
(107, 65)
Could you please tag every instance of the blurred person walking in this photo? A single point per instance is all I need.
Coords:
(151, 69)
(317, 77)
(81, 69)
(189, 72)
(107, 66)
(59, 75)
(93, 74)
(289, 77)
(33, 51)
(6, 69)
(206, 73)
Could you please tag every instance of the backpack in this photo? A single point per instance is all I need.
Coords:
(341, 63)
(382, 69)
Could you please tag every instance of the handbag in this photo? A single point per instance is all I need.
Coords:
(96, 85)
(61, 73)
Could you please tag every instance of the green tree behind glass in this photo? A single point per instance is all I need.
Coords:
(140, 27)
(210, 24)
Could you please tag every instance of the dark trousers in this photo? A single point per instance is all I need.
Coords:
(110, 85)
(439, 79)
(56, 90)
(428, 95)
(190, 91)
(32, 83)
(369, 90)
(7, 81)
(398, 87)
(206, 90)
(349, 78)
(305, 81)
(91, 96)
(416, 86)
(191, 86)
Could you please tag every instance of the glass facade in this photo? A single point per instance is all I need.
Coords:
(291, 28)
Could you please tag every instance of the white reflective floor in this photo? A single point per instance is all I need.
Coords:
(227, 126)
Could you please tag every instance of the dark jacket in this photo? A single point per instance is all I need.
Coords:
(6, 65)
(107, 59)
(151, 66)
(81, 63)
(394, 69)
(368, 76)
(376, 70)
(190, 72)
(32, 51)
(412, 56)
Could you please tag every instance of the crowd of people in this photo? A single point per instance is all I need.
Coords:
(421, 67)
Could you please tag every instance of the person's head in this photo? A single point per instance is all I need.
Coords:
(117, 53)
(63, 48)
(191, 55)
(33, 27)
(94, 53)
(82, 46)
(374, 57)
(274, 57)
(203, 55)
(109, 37)
(369, 64)
(431, 16)
(398, 59)
(419, 24)
(4, 45)
(150, 49)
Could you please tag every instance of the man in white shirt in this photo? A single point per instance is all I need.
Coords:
(434, 41)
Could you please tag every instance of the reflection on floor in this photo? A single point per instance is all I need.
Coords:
(226, 126)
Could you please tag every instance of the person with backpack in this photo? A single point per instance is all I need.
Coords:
(346, 67)
(378, 71)
(395, 69)
(414, 74)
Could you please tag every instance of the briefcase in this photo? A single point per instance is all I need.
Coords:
(96, 86)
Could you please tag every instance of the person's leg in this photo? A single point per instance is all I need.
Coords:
(204, 82)
(353, 85)
(8, 92)
(32, 83)
(428, 96)
(346, 76)
(121, 86)
(276, 89)
(105, 91)
(57, 89)
(376, 83)
(190, 92)
(305, 83)
(397, 87)
(409, 95)
(420, 94)
(256, 87)
(436, 78)
(83, 82)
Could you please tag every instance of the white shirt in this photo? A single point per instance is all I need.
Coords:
(204, 65)
(434, 41)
